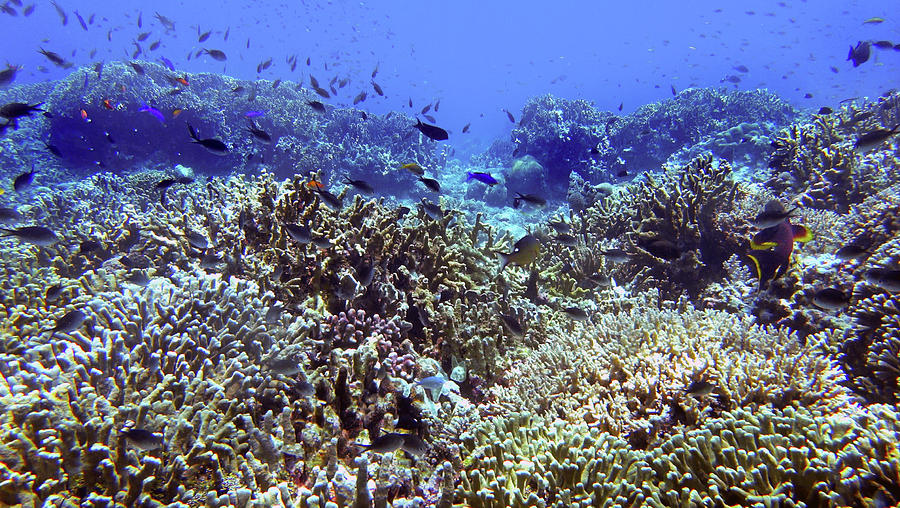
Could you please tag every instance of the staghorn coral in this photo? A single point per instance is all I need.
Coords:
(775, 457)
(817, 163)
(521, 460)
(626, 371)
(692, 210)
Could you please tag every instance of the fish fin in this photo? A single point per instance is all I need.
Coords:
(193, 132)
(504, 260)
(801, 233)
(768, 264)
(762, 246)
(763, 239)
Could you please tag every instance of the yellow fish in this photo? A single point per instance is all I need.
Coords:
(873, 21)
(415, 168)
(524, 252)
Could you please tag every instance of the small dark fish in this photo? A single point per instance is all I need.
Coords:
(883, 44)
(560, 226)
(138, 68)
(731, 79)
(699, 388)
(36, 235)
(54, 292)
(621, 105)
(663, 249)
(674, 92)
(359, 98)
(875, 138)
(212, 145)
(576, 313)
(109, 138)
(830, 299)
(81, 21)
(8, 75)
(138, 278)
(850, 252)
(465, 128)
(88, 246)
(196, 240)
(9, 215)
(155, 45)
(28, 10)
(15, 110)
(512, 325)
(333, 202)
(288, 367)
(741, 68)
(322, 242)
(317, 106)
(167, 23)
(431, 131)
(166, 183)
(616, 255)
(414, 445)
(360, 185)
(859, 54)
(889, 280)
(258, 133)
(24, 180)
(825, 110)
(807, 95)
(385, 443)
(510, 116)
(204, 36)
(431, 183)
(365, 274)
(432, 210)
(63, 17)
(524, 252)
(68, 323)
(377, 89)
(143, 36)
(55, 59)
(485, 178)
(298, 233)
(566, 239)
(142, 439)
(531, 199)
(216, 54)
(772, 215)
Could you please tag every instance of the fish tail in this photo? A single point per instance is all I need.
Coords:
(469, 176)
(193, 132)
(504, 260)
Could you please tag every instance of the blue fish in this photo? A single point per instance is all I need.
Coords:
(254, 114)
(153, 111)
(481, 177)
(168, 63)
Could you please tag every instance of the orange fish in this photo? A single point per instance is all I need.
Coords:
(84, 115)
(315, 185)
(176, 112)
(108, 104)
(182, 81)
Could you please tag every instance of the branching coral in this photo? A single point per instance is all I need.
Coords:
(627, 372)
(681, 226)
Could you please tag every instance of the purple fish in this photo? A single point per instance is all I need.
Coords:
(481, 177)
(153, 111)
(254, 114)
(168, 63)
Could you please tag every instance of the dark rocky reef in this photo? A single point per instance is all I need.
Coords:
(94, 119)
(571, 136)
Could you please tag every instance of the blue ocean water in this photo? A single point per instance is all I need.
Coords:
(480, 58)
